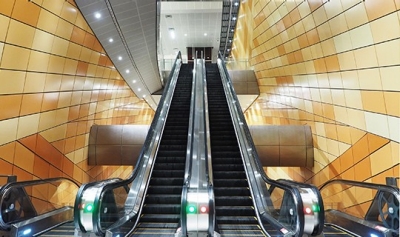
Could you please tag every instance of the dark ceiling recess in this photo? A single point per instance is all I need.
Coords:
(230, 10)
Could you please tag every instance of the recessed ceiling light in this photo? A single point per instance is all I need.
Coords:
(236, 4)
(134, 81)
(97, 15)
(119, 58)
(185, 34)
(127, 71)
(139, 89)
(234, 18)
(232, 30)
(110, 40)
(205, 34)
(172, 33)
(144, 96)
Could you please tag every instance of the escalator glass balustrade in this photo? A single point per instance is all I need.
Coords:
(360, 209)
(37, 207)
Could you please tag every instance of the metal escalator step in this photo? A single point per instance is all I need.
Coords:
(160, 218)
(162, 208)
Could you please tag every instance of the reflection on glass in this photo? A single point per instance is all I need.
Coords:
(24, 200)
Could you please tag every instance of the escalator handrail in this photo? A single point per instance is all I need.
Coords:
(189, 150)
(381, 187)
(153, 137)
(5, 188)
(251, 147)
(209, 167)
(192, 133)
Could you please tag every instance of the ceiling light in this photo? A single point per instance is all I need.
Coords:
(139, 89)
(134, 81)
(110, 40)
(185, 34)
(119, 58)
(127, 71)
(236, 4)
(232, 30)
(144, 96)
(97, 15)
(205, 34)
(172, 33)
(234, 18)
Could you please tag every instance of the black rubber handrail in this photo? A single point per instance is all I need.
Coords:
(381, 187)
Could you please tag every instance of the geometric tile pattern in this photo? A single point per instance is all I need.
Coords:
(335, 66)
(57, 81)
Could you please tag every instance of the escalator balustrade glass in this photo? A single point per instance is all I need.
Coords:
(37, 206)
(360, 208)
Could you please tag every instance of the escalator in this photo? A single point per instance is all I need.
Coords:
(234, 207)
(161, 211)
(38, 207)
(360, 209)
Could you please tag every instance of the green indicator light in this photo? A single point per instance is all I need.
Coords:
(191, 209)
(315, 208)
(89, 207)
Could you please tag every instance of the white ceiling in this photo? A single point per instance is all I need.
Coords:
(196, 24)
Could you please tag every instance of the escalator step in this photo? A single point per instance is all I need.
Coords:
(162, 208)
(163, 198)
(232, 191)
(160, 218)
(233, 201)
(161, 189)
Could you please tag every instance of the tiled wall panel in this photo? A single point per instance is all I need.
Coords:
(333, 65)
(56, 81)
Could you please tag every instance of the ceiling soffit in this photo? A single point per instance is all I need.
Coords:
(127, 30)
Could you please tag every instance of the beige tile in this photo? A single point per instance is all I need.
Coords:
(389, 77)
(42, 41)
(328, 47)
(56, 64)
(343, 42)
(366, 57)
(338, 24)
(350, 80)
(64, 29)
(370, 79)
(338, 97)
(372, 119)
(54, 6)
(388, 53)
(356, 118)
(4, 23)
(353, 99)
(8, 130)
(60, 47)
(392, 102)
(384, 28)
(12, 82)
(47, 22)
(394, 128)
(361, 36)
(381, 160)
(15, 57)
(373, 101)
(28, 125)
(74, 50)
(356, 16)
(333, 8)
(1, 49)
(38, 61)
(347, 60)
(16, 30)
(34, 82)
(47, 120)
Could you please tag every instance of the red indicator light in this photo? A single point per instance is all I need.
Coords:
(307, 210)
(203, 209)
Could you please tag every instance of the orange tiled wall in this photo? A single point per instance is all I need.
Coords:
(56, 81)
(334, 65)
